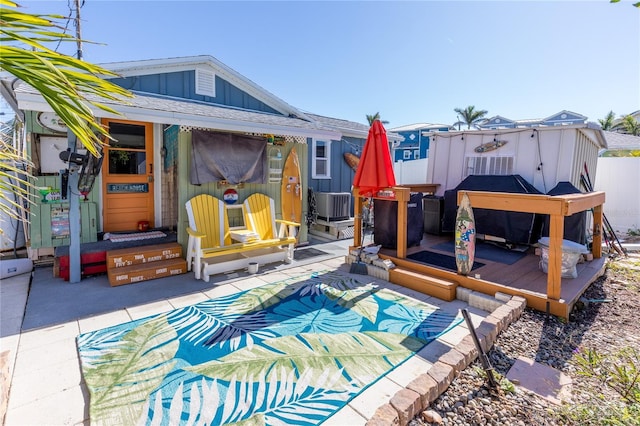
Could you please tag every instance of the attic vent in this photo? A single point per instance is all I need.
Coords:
(205, 83)
(481, 165)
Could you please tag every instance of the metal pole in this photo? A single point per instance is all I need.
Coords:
(75, 264)
(484, 359)
(78, 32)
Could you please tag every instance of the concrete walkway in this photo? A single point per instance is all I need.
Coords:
(45, 384)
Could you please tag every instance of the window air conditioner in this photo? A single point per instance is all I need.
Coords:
(333, 206)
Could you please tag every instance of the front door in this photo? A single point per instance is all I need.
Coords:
(127, 176)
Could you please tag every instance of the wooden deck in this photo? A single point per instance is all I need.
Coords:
(547, 292)
(524, 277)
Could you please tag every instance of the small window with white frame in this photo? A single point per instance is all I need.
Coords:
(416, 154)
(321, 160)
(406, 154)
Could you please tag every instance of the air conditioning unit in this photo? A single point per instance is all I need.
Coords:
(333, 206)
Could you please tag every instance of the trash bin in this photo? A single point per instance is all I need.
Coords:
(571, 252)
(385, 227)
(433, 208)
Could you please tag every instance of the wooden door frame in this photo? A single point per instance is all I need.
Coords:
(150, 159)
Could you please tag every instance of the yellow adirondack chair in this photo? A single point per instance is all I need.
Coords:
(260, 217)
(208, 228)
(211, 247)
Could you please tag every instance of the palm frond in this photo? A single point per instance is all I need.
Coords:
(365, 355)
(126, 374)
(15, 178)
(70, 86)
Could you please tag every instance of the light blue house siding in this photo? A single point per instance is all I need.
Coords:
(562, 118)
(341, 175)
(499, 122)
(182, 85)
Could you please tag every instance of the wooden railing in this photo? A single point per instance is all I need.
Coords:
(557, 207)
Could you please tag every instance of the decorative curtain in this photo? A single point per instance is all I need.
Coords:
(217, 156)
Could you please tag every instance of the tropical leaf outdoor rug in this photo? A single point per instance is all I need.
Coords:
(292, 352)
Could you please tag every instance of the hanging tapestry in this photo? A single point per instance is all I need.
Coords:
(230, 157)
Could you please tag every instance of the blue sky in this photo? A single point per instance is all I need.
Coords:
(412, 61)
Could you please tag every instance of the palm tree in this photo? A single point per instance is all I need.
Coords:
(628, 125)
(63, 81)
(607, 122)
(470, 115)
(374, 117)
(458, 123)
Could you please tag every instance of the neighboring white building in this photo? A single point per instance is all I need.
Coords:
(619, 177)
(543, 156)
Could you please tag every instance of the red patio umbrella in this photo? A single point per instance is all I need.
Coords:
(375, 170)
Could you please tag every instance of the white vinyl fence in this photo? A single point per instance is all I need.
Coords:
(619, 178)
(411, 172)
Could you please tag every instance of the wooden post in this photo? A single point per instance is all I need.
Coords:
(402, 196)
(554, 267)
(357, 218)
(596, 246)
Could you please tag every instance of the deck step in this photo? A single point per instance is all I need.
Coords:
(144, 254)
(136, 264)
(436, 287)
(94, 257)
(337, 230)
(146, 271)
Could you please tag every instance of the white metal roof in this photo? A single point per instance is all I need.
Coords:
(419, 126)
(158, 109)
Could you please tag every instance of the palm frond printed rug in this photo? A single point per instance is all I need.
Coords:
(292, 352)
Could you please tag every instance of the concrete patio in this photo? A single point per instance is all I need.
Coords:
(45, 386)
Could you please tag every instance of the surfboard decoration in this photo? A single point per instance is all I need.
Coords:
(352, 160)
(490, 146)
(291, 188)
(465, 242)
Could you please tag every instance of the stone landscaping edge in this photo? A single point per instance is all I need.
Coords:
(426, 388)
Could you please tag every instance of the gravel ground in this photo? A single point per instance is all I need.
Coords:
(607, 327)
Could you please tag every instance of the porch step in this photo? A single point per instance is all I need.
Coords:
(146, 271)
(97, 262)
(139, 255)
(436, 287)
(135, 264)
(337, 230)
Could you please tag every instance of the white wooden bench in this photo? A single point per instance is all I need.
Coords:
(262, 239)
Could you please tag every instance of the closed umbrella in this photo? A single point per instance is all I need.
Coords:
(374, 173)
(375, 170)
